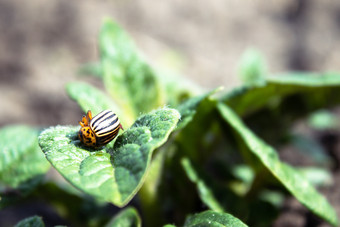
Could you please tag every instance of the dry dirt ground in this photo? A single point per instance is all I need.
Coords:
(43, 43)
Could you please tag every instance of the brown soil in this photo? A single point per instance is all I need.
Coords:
(43, 43)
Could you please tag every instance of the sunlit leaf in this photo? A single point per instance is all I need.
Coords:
(116, 172)
(127, 77)
(213, 218)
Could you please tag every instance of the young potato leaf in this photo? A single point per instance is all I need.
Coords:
(213, 218)
(204, 192)
(287, 175)
(116, 172)
(252, 68)
(313, 90)
(21, 160)
(91, 98)
(176, 93)
(128, 217)
(128, 78)
(188, 108)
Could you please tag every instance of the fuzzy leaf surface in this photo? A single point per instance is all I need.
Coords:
(213, 218)
(116, 172)
(20, 156)
(287, 175)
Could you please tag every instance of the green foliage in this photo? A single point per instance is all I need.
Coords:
(125, 72)
(205, 193)
(128, 217)
(182, 149)
(253, 68)
(287, 175)
(114, 173)
(189, 107)
(212, 218)
(21, 161)
(309, 91)
(90, 98)
(34, 221)
(323, 120)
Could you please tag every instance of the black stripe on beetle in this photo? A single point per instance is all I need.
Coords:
(99, 130)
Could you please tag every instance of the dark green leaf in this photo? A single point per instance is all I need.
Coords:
(314, 91)
(20, 156)
(114, 173)
(128, 78)
(177, 93)
(213, 218)
(34, 221)
(128, 217)
(188, 108)
(203, 189)
(287, 175)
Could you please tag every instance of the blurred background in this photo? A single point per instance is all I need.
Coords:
(43, 44)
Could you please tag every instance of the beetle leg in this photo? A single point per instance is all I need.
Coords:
(89, 116)
(83, 121)
(121, 127)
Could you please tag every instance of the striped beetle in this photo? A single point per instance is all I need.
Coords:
(99, 130)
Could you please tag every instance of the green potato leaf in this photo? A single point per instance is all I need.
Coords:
(204, 192)
(116, 172)
(21, 160)
(189, 107)
(252, 68)
(313, 90)
(127, 77)
(213, 218)
(128, 217)
(91, 98)
(290, 178)
(34, 221)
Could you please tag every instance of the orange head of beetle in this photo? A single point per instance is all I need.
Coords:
(85, 133)
(87, 137)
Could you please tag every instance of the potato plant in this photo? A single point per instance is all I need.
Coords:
(186, 157)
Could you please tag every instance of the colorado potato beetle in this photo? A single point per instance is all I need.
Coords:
(99, 130)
